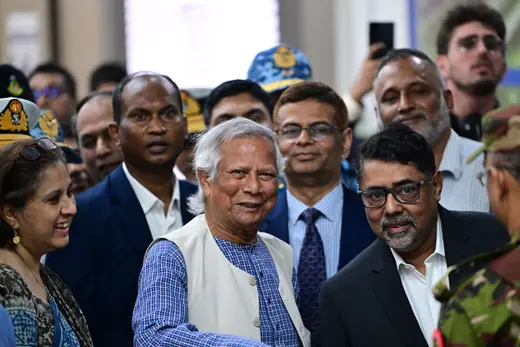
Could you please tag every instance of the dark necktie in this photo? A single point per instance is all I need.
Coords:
(311, 273)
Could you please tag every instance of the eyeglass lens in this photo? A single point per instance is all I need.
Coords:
(49, 92)
(316, 131)
(492, 43)
(406, 194)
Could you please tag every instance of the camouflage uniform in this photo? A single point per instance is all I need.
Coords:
(484, 310)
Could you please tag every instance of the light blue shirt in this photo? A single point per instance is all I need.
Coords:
(328, 225)
(461, 189)
(6, 329)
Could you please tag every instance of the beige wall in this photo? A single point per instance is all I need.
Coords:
(309, 26)
(332, 33)
(8, 7)
(89, 32)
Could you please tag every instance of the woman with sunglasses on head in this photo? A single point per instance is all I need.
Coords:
(36, 210)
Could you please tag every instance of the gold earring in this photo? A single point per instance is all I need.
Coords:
(16, 238)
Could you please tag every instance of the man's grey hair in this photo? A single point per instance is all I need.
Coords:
(208, 154)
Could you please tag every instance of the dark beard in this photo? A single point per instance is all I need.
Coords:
(479, 88)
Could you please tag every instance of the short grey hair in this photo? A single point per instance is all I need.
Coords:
(207, 154)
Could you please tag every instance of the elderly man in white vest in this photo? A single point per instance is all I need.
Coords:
(217, 281)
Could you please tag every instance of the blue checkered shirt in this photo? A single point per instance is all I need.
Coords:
(161, 311)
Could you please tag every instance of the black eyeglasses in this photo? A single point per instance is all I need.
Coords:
(34, 151)
(49, 92)
(317, 132)
(405, 193)
(492, 43)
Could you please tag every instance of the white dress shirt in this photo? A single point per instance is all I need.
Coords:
(461, 189)
(418, 288)
(159, 223)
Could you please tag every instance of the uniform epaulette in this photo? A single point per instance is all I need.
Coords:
(441, 291)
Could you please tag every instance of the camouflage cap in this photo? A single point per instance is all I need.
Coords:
(501, 131)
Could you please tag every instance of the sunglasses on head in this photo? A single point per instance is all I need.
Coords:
(35, 150)
(492, 43)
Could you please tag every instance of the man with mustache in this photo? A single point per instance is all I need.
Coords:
(136, 203)
(384, 296)
(471, 56)
(319, 216)
(410, 89)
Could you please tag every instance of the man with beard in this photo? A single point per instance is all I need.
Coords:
(409, 89)
(471, 57)
(384, 296)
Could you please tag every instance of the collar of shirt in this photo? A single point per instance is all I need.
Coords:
(453, 156)
(439, 248)
(146, 198)
(329, 205)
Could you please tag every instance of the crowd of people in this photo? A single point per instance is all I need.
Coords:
(258, 213)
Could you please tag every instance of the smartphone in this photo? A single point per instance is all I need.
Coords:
(381, 32)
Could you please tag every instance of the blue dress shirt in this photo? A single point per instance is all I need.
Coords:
(329, 226)
(161, 311)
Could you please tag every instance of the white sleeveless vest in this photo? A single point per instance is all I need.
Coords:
(222, 298)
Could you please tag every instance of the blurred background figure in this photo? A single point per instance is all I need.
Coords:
(238, 98)
(99, 151)
(106, 76)
(278, 68)
(193, 111)
(48, 126)
(14, 84)
(54, 89)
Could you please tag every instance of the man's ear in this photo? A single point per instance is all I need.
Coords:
(437, 182)
(500, 182)
(113, 130)
(448, 97)
(347, 142)
(204, 182)
(443, 64)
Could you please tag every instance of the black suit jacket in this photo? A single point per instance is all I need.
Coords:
(101, 265)
(365, 304)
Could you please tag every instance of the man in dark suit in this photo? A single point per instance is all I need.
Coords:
(384, 296)
(136, 203)
(316, 214)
